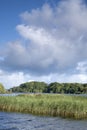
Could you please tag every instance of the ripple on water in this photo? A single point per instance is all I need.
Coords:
(17, 121)
(12, 128)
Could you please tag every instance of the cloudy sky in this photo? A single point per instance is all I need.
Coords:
(43, 40)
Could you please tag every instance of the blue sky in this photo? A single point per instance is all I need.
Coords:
(10, 11)
(43, 40)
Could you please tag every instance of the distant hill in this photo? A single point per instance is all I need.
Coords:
(42, 87)
(2, 89)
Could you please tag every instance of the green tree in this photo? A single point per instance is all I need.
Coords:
(2, 89)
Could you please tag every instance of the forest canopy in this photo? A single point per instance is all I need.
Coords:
(55, 87)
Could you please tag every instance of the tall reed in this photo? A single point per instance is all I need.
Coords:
(46, 104)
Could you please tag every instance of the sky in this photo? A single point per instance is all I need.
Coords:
(43, 40)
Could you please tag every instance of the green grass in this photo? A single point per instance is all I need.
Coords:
(46, 104)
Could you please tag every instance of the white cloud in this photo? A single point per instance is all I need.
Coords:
(82, 67)
(55, 44)
(14, 79)
(61, 30)
(36, 35)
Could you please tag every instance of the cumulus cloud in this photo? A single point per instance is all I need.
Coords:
(60, 31)
(55, 42)
(82, 67)
(15, 79)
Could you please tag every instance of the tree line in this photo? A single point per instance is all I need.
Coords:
(55, 87)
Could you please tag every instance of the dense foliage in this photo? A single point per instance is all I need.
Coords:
(41, 87)
(32, 87)
(2, 89)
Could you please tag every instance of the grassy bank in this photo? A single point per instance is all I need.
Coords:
(49, 104)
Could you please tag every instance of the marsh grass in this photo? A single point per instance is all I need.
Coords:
(46, 104)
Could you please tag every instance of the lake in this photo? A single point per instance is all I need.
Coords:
(16, 94)
(18, 121)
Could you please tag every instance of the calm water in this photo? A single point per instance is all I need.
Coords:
(15, 94)
(17, 121)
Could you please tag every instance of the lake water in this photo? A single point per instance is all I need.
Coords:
(15, 94)
(18, 121)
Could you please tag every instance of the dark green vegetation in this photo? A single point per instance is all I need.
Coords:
(41, 87)
(2, 89)
(46, 104)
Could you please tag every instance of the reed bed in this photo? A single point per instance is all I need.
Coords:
(46, 104)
